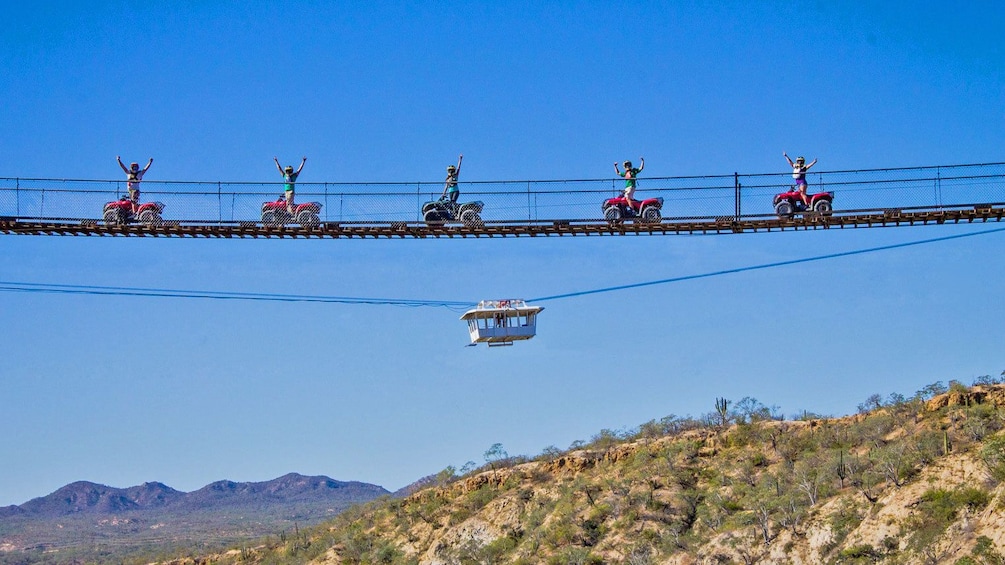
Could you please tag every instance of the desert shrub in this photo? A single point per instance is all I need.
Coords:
(476, 500)
(606, 439)
(549, 453)
(981, 420)
(993, 455)
(559, 534)
(574, 556)
(459, 515)
(972, 499)
(931, 390)
(957, 386)
(861, 551)
(985, 550)
(385, 553)
(938, 508)
(750, 410)
(842, 522)
(988, 380)
(593, 530)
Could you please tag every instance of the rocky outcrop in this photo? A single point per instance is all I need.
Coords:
(990, 394)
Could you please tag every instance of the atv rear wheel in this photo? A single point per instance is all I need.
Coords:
(470, 218)
(652, 215)
(823, 207)
(151, 218)
(308, 219)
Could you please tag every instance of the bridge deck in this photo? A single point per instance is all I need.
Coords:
(669, 226)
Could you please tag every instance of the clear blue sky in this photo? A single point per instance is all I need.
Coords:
(122, 390)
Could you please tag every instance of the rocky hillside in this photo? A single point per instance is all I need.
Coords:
(905, 481)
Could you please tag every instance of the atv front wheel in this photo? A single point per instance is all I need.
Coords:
(612, 214)
(784, 209)
(435, 217)
(112, 216)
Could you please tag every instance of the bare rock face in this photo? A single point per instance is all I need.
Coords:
(989, 394)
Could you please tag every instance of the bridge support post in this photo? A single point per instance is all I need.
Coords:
(736, 185)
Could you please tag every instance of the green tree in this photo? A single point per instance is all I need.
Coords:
(931, 390)
(495, 454)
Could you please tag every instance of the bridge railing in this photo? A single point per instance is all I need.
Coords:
(691, 197)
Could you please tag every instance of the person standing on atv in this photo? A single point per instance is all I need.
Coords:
(631, 175)
(799, 169)
(134, 175)
(450, 185)
(290, 177)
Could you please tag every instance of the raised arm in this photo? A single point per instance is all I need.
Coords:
(301, 165)
(642, 163)
(150, 162)
(459, 159)
(786, 155)
(616, 169)
(278, 166)
(121, 164)
(814, 162)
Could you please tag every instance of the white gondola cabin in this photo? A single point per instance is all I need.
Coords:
(501, 322)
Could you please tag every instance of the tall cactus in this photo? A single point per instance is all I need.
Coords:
(841, 471)
(722, 408)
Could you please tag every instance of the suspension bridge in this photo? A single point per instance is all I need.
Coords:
(716, 204)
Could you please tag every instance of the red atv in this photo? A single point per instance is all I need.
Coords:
(788, 204)
(120, 213)
(306, 214)
(617, 209)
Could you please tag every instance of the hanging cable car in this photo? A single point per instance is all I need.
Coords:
(501, 322)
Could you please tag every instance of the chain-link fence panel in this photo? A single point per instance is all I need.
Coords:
(693, 198)
(881, 189)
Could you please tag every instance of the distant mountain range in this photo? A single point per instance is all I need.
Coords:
(86, 513)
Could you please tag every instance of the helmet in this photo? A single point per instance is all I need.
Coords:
(800, 159)
(289, 168)
(627, 164)
(451, 168)
(134, 165)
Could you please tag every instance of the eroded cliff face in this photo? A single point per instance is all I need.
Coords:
(886, 525)
(906, 483)
(987, 395)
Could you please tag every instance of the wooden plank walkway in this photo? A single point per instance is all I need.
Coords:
(971, 213)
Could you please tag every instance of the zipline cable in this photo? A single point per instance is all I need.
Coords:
(13, 286)
(764, 266)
